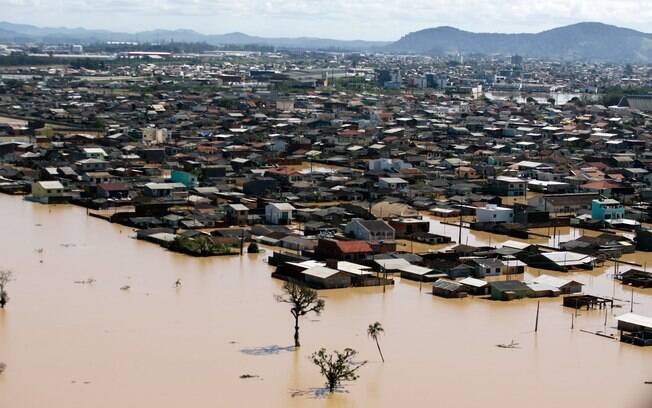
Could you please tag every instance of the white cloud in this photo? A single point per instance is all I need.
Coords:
(367, 19)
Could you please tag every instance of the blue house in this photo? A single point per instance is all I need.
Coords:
(607, 209)
(187, 179)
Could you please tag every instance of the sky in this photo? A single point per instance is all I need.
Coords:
(384, 20)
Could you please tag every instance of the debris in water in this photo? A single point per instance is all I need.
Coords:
(512, 344)
(68, 245)
(246, 376)
(39, 250)
(88, 281)
(125, 287)
(3, 367)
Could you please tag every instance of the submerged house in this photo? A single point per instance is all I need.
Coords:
(407, 227)
(562, 261)
(635, 329)
(48, 191)
(321, 277)
(449, 289)
(343, 250)
(475, 287)
(451, 267)
(508, 290)
(370, 230)
(538, 290)
(565, 286)
(488, 267)
(636, 278)
(417, 273)
(314, 274)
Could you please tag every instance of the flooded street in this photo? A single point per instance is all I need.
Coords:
(70, 345)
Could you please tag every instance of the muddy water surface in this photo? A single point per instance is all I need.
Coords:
(71, 345)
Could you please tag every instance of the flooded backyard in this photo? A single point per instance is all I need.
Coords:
(70, 344)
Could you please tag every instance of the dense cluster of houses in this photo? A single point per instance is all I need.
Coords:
(340, 179)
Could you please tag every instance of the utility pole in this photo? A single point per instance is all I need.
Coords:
(631, 307)
(536, 323)
(459, 237)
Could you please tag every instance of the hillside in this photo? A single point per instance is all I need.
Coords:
(583, 41)
(25, 33)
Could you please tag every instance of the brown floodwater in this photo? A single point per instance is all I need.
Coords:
(70, 345)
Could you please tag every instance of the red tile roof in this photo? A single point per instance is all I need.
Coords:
(599, 185)
(352, 247)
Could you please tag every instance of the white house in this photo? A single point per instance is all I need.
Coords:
(94, 153)
(370, 230)
(279, 213)
(388, 164)
(394, 183)
(494, 213)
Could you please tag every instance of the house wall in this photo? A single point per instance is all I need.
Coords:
(39, 191)
(494, 214)
(276, 216)
(600, 211)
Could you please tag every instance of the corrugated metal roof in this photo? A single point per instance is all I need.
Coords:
(476, 283)
(633, 318)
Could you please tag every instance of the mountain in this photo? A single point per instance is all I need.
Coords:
(583, 41)
(25, 33)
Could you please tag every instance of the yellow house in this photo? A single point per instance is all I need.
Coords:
(45, 191)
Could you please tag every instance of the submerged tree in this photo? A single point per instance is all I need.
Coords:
(5, 277)
(302, 300)
(337, 367)
(374, 331)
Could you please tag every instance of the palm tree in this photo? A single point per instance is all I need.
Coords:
(373, 331)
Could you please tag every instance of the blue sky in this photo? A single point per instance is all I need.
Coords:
(343, 19)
